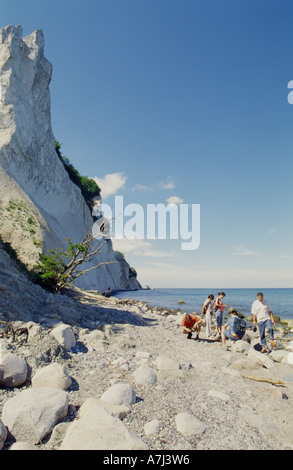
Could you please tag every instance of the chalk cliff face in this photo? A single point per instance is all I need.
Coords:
(39, 205)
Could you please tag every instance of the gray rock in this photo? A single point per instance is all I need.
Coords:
(3, 434)
(13, 371)
(189, 425)
(32, 413)
(52, 376)
(145, 375)
(241, 346)
(97, 429)
(65, 336)
(120, 394)
(279, 355)
(22, 445)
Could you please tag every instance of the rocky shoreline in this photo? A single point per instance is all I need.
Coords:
(124, 377)
(79, 371)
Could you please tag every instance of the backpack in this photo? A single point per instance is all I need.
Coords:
(239, 326)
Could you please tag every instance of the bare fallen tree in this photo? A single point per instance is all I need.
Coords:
(59, 269)
(10, 331)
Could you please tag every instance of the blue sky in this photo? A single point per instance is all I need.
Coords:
(185, 99)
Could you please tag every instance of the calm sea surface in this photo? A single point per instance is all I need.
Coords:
(281, 300)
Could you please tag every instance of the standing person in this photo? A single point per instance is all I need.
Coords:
(219, 309)
(262, 315)
(191, 323)
(207, 310)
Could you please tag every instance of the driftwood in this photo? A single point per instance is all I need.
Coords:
(18, 332)
(262, 379)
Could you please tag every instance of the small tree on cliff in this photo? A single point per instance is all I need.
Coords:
(58, 269)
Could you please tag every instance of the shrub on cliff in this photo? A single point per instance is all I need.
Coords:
(88, 187)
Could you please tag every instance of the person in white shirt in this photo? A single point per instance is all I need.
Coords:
(263, 316)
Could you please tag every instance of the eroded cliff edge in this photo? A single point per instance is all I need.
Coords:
(39, 205)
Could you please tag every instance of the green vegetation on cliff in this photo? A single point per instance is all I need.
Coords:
(88, 187)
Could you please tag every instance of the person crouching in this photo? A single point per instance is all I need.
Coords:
(191, 323)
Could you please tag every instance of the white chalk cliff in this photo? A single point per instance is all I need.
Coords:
(39, 205)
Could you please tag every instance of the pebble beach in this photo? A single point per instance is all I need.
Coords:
(185, 395)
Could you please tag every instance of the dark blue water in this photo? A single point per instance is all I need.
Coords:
(281, 300)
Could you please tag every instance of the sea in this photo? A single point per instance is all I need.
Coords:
(281, 299)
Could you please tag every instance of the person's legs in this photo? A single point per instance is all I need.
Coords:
(208, 324)
(188, 333)
(219, 320)
(223, 334)
(262, 333)
(270, 327)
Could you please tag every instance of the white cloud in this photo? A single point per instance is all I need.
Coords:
(174, 200)
(141, 187)
(110, 183)
(138, 247)
(167, 185)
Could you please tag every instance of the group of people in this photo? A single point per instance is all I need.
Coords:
(234, 328)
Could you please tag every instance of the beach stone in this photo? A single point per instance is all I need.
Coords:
(53, 376)
(13, 370)
(266, 361)
(145, 375)
(165, 363)
(3, 434)
(240, 346)
(189, 425)
(22, 445)
(64, 335)
(31, 414)
(120, 394)
(97, 429)
(279, 356)
(153, 427)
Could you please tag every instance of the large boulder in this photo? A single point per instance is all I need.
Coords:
(97, 429)
(32, 414)
(52, 376)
